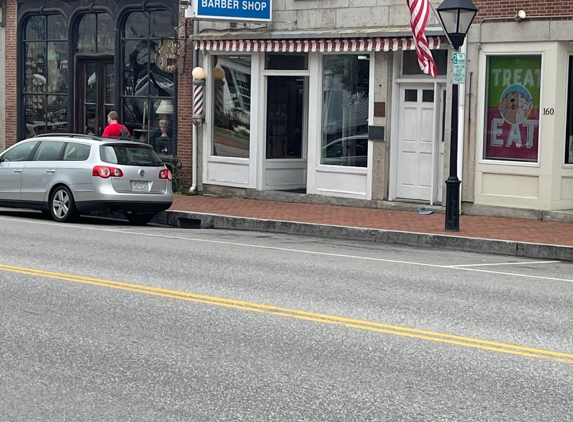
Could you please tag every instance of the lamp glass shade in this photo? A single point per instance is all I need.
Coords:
(456, 17)
(218, 73)
(165, 107)
(198, 73)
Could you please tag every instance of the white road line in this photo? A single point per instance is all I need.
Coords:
(300, 251)
(515, 274)
(503, 263)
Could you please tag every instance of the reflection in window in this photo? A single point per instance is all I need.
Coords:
(46, 75)
(286, 61)
(345, 110)
(410, 65)
(76, 152)
(285, 116)
(148, 90)
(20, 152)
(48, 151)
(95, 34)
(232, 114)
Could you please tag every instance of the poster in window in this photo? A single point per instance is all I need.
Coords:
(512, 115)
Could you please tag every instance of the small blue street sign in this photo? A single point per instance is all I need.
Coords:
(246, 10)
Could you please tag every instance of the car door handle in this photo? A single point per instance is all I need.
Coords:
(17, 170)
(51, 171)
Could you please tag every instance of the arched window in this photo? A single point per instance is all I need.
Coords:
(148, 91)
(45, 82)
(95, 34)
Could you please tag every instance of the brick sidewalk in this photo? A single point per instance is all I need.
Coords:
(533, 231)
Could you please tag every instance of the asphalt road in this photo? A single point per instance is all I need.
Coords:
(101, 321)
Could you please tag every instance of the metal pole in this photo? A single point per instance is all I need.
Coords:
(453, 183)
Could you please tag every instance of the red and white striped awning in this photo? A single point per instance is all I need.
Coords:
(313, 45)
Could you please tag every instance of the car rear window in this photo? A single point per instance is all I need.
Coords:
(130, 155)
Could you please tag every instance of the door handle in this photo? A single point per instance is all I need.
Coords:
(51, 171)
(17, 170)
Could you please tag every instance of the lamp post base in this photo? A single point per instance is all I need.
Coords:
(453, 204)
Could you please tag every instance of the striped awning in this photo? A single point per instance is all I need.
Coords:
(315, 45)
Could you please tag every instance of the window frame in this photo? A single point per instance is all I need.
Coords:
(485, 120)
(369, 115)
(45, 94)
(214, 57)
(147, 99)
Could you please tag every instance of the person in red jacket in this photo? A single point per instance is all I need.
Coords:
(113, 128)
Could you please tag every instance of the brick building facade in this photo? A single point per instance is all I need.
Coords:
(349, 140)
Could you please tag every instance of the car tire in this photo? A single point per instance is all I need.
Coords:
(63, 206)
(139, 219)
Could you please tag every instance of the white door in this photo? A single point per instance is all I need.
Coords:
(417, 157)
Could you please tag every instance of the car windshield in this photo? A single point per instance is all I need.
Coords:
(129, 155)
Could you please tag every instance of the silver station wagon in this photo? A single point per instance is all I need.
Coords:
(65, 175)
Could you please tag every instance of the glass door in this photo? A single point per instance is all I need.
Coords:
(285, 108)
(95, 94)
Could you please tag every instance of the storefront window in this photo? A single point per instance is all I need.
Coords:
(95, 34)
(512, 114)
(46, 75)
(232, 114)
(345, 110)
(286, 61)
(411, 66)
(148, 91)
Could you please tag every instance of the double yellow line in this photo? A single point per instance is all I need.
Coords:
(304, 315)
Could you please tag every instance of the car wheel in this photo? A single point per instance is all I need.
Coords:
(62, 205)
(139, 219)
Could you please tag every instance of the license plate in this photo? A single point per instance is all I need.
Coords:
(139, 186)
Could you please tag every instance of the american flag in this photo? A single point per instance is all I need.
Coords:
(419, 14)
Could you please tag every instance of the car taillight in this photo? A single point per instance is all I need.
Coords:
(165, 174)
(104, 172)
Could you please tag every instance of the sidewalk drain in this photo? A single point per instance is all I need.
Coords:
(189, 223)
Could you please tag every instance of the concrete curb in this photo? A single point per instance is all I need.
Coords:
(192, 220)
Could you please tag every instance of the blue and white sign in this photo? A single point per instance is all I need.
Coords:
(244, 10)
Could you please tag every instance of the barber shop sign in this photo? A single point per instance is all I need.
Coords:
(512, 114)
(245, 10)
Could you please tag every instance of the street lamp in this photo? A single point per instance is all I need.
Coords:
(456, 16)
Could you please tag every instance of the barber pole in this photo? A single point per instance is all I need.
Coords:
(198, 101)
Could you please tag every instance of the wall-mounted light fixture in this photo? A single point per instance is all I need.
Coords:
(184, 4)
(3, 13)
(519, 16)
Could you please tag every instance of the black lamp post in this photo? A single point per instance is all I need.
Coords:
(456, 17)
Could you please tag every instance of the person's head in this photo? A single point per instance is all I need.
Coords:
(112, 117)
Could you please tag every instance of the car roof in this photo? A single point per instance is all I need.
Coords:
(81, 137)
(360, 136)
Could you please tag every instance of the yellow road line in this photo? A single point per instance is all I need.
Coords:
(304, 315)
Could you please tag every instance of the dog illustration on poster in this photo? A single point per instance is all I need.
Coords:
(515, 104)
